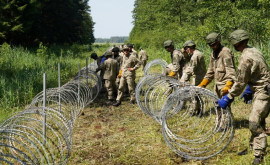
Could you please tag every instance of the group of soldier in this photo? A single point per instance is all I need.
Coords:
(117, 69)
(118, 66)
(252, 73)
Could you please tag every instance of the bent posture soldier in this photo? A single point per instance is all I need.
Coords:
(110, 68)
(221, 66)
(129, 65)
(254, 72)
(177, 59)
(195, 64)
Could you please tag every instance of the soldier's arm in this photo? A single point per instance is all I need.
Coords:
(210, 74)
(242, 78)
(176, 62)
(229, 66)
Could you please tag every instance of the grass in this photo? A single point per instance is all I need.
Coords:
(125, 135)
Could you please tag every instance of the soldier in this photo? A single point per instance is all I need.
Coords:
(129, 66)
(110, 67)
(221, 66)
(99, 59)
(254, 72)
(195, 65)
(143, 57)
(119, 60)
(177, 59)
(132, 50)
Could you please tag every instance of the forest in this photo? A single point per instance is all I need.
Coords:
(158, 20)
(30, 22)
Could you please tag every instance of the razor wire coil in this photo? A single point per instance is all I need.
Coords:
(43, 134)
(192, 124)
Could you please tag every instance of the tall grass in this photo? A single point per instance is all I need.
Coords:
(21, 71)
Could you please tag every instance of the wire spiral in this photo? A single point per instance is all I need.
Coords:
(42, 133)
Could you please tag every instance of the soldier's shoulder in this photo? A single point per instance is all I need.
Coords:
(226, 52)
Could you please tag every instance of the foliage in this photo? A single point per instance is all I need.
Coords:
(21, 71)
(27, 23)
(158, 20)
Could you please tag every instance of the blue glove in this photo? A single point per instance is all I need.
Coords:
(102, 60)
(247, 95)
(224, 101)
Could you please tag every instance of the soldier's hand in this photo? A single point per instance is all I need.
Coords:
(130, 69)
(247, 95)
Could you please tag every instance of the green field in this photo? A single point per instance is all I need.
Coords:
(106, 134)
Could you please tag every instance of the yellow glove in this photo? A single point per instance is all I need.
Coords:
(172, 74)
(120, 74)
(226, 88)
(204, 83)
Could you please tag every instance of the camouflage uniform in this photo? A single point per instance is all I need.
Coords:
(177, 59)
(194, 67)
(143, 58)
(128, 77)
(222, 68)
(110, 67)
(253, 70)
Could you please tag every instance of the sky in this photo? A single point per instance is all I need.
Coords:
(112, 17)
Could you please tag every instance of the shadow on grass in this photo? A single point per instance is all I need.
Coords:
(240, 123)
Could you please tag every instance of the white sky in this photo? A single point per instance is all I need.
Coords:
(111, 17)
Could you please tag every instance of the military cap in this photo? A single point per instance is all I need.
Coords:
(125, 47)
(212, 38)
(238, 36)
(130, 45)
(189, 43)
(168, 43)
(108, 53)
(115, 49)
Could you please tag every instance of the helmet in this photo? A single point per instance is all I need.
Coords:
(108, 53)
(93, 55)
(238, 36)
(189, 43)
(115, 49)
(130, 45)
(125, 47)
(168, 43)
(212, 38)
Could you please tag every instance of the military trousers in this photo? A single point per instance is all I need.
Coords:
(143, 63)
(130, 81)
(110, 86)
(260, 111)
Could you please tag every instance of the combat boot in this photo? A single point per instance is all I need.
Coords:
(258, 160)
(117, 103)
(244, 152)
(132, 101)
(110, 102)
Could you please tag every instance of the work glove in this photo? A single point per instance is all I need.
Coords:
(225, 101)
(226, 88)
(204, 83)
(172, 74)
(120, 74)
(247, 95)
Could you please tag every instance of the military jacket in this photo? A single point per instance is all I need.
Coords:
(143, 55)
(111, 68)
(221, 68)
(130, 61)
(178, 62)
(195, 67)
(252, 70)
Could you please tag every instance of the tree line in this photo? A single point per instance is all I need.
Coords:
(158, 20)
(29, 22)
(116, 39)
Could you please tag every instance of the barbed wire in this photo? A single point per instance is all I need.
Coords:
(193, 126)
(42, 133)
(155, 66)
